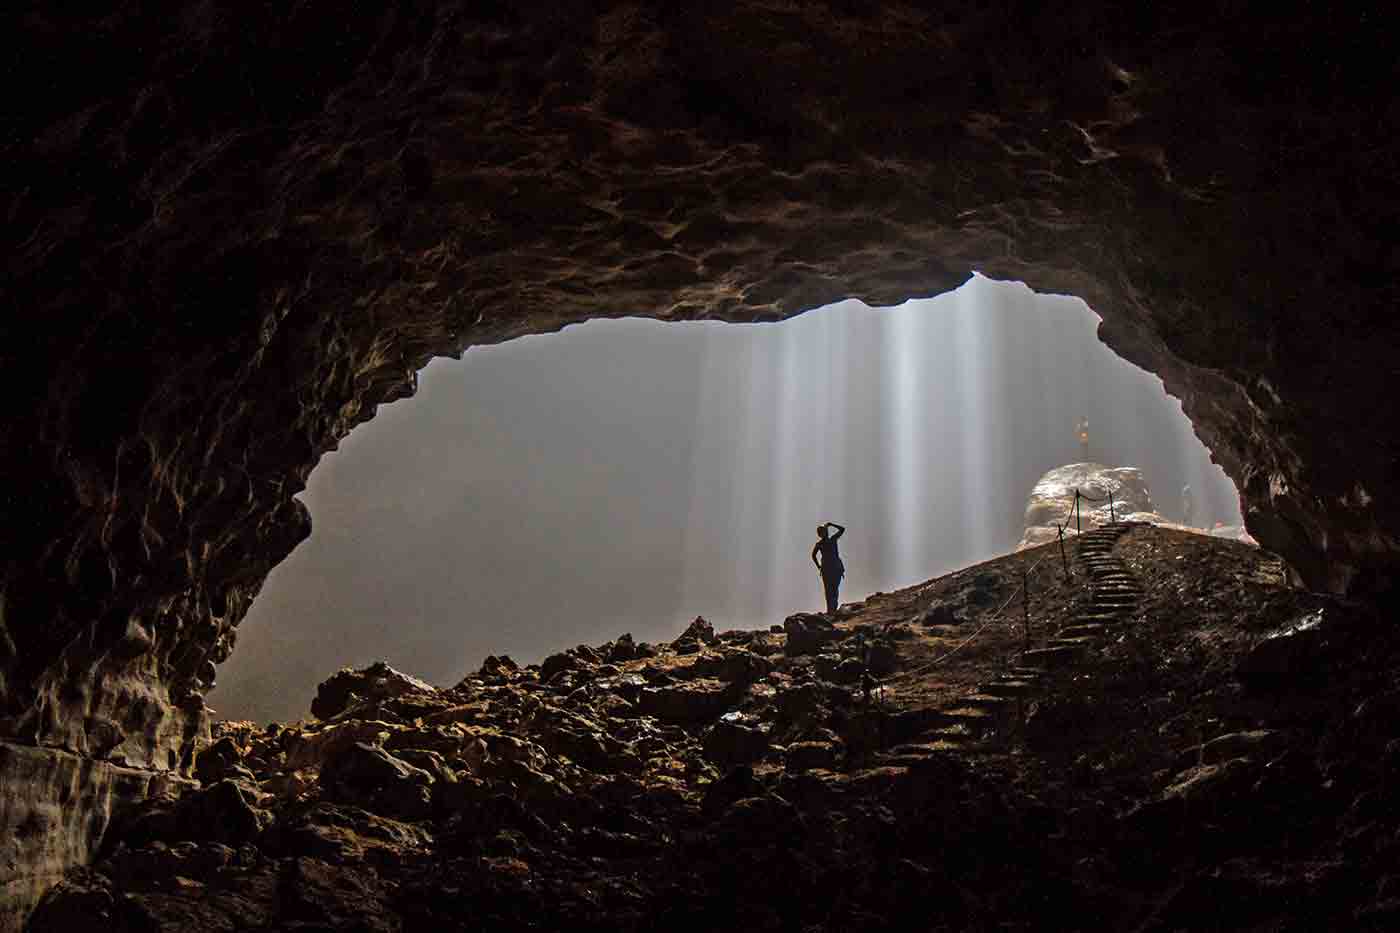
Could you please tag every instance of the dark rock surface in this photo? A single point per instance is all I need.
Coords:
(1146, 791)
(232, 233)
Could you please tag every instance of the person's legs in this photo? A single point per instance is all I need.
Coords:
(831, 585)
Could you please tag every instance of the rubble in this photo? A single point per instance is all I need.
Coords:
(745, 779)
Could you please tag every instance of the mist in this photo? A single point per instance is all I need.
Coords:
(629, 475)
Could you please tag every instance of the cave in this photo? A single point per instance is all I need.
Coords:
(231, 233)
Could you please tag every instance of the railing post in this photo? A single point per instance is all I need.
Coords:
(1112, 515)
(1064, 560)
(1077, 530)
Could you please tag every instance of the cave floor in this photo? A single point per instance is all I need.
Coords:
(1221, 756)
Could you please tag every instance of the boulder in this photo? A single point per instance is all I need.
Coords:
(220, 761)
(768, 820)
(318, 895)
(735, 739)
(807, 633)
(881, 658)
(309, 749)
(696, 701)
(738, 784)
(623, 649)
(801, 701)
(1051, 500)
(368, 776)
(501, 666)
(1291, 658)
(558, 663)
(699, 631)
(82, 902)
(938, 615)
(348, 687)
(226, 812)
(807, 756)
(154, 863)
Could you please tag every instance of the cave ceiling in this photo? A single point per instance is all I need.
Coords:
(232, 231)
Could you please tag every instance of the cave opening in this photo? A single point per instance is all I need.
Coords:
(629, 474)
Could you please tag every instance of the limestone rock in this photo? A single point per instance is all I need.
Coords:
(735, 740)
(804, 756)
(346, 687)
(646, 160)
(219, 761)
(382, 782)
(807, 633)
(1051, 500)
(696, 701)
(623, 649)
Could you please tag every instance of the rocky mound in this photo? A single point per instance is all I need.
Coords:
(880, 767)
(1109, 493)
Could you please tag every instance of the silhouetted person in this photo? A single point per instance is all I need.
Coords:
(1188, 507)
(830, 566)
(1082, 432)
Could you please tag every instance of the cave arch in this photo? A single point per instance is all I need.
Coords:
(255, 226)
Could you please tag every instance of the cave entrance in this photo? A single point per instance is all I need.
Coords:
(627, 475)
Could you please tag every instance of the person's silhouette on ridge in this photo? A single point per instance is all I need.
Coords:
(830, 566)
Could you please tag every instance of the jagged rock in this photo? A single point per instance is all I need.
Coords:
(501, 666)
(807, 633)
(325, 896)
(1212, 785)
(344, 834)
(157, 862)
(559, 663)
(938, 615)
(309, 749)
(806, 756)
(226, 812)
(696, 701)
(624, 649)
(760, 821)
(1259, 745)
(741, 667)
(346, 687)
(801, 701)
(369, 776)
(82, 902)
(881, 658)
(219, 761)
(737, 784)
(485, 818)
(735, 740)
(699, 631)
(1293, 658)
(627, 686)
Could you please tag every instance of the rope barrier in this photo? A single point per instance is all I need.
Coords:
(981, 628)
(1025, 575)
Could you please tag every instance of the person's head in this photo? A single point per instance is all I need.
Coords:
(821, 531)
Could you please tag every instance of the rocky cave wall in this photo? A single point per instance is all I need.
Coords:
(231, 232)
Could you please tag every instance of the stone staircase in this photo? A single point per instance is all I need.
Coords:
(1114, 594)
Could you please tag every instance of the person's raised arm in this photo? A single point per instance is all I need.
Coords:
(840, 530)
